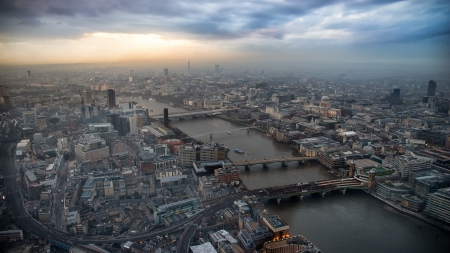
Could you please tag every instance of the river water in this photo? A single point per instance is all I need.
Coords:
(354, 222)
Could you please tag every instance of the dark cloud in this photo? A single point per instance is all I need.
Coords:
(61, 11)
(227, 19)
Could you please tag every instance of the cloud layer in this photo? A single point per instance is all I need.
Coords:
(264, 25)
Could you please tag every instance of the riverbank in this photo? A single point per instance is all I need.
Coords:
(411, 213)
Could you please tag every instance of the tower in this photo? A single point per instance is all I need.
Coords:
(431, 92)
(189, 67)
(166, 72)
(28, 74)
(217, 70)
(351, 171)
(111, 98)
(166, 117)
(396, 93)
(131, 72)
(371, 183)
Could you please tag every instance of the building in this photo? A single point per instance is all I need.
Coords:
(412, 203)
(431, 91)
(91, 147)
(178, 207)
(111, 98)
(11, 235)
(108, 188)
(166, 72)
(203, 248)
(102, 129)
(438, 205)
(405, 164)
(324, 109)
(29, 117)
(279, 228)
(73, 218)
(392, 191)
(297, 244)
(227, 175)
(191, 153)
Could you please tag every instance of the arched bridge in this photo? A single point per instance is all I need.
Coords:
(302, 189)
(265, 162)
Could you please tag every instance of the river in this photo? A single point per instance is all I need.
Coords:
(354, 222)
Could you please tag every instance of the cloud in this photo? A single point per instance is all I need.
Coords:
(61, 11)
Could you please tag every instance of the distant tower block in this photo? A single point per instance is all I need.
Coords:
(131, 72)
(166, 72)
(431, 92)
(217, 70)
(166, 117)
(111, 98)
(189, 67)
(28, 74)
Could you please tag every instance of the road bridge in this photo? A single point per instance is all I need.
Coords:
(190, 114)
(265, 162)
(302, 189)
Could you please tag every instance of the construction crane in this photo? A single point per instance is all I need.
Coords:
(95, 97)
(82, 99)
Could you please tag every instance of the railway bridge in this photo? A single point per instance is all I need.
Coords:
(302, 189)
(265, 162)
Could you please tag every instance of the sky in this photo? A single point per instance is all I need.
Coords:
(413, 32)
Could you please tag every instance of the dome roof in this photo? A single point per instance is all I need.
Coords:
(325, 98)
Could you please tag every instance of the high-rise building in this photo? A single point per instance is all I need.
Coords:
(131, 72)
(113, 118)
(28, 74)
(189, 67)
(431, 92)
(166, 117)
(111, 98)
(396, 93)
(166, 72)
(216, 69)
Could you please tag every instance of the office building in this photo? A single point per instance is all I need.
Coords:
(102, 129)
(227, 175)
(113, 119)
(279, 228)
(166, 72)
(216, 69)
(297, 244)
(29, 117)
(111, 98)
(438, 205)
(91, 147)
(189, 67)
(108, 188)
(431, 91)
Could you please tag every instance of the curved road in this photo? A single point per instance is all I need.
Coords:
(27, 223)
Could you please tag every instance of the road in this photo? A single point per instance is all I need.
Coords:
(27, 223)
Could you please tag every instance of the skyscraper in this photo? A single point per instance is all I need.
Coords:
(166, 72)
(28, 74)
(189, 67)
(166, 117)
(431, 88)
(217, 70)
(396, 93)
(111, 98)
(131, 72)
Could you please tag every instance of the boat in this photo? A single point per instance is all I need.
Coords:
(150, 99)
(239, 151)
(172, 104)
(229, 132)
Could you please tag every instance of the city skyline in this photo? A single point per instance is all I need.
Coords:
(411, 33)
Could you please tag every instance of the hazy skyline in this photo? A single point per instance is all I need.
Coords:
(413, 33)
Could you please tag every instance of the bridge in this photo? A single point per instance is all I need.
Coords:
(265, 162)
(190, 114)
(302, 189)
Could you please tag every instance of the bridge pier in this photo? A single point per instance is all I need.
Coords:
(300, 162)
(265, 165)
(343, 190)
(300, 197)
(278, 200)
(247, 167)
(284, 164)
(210, 136)
(323, 194)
